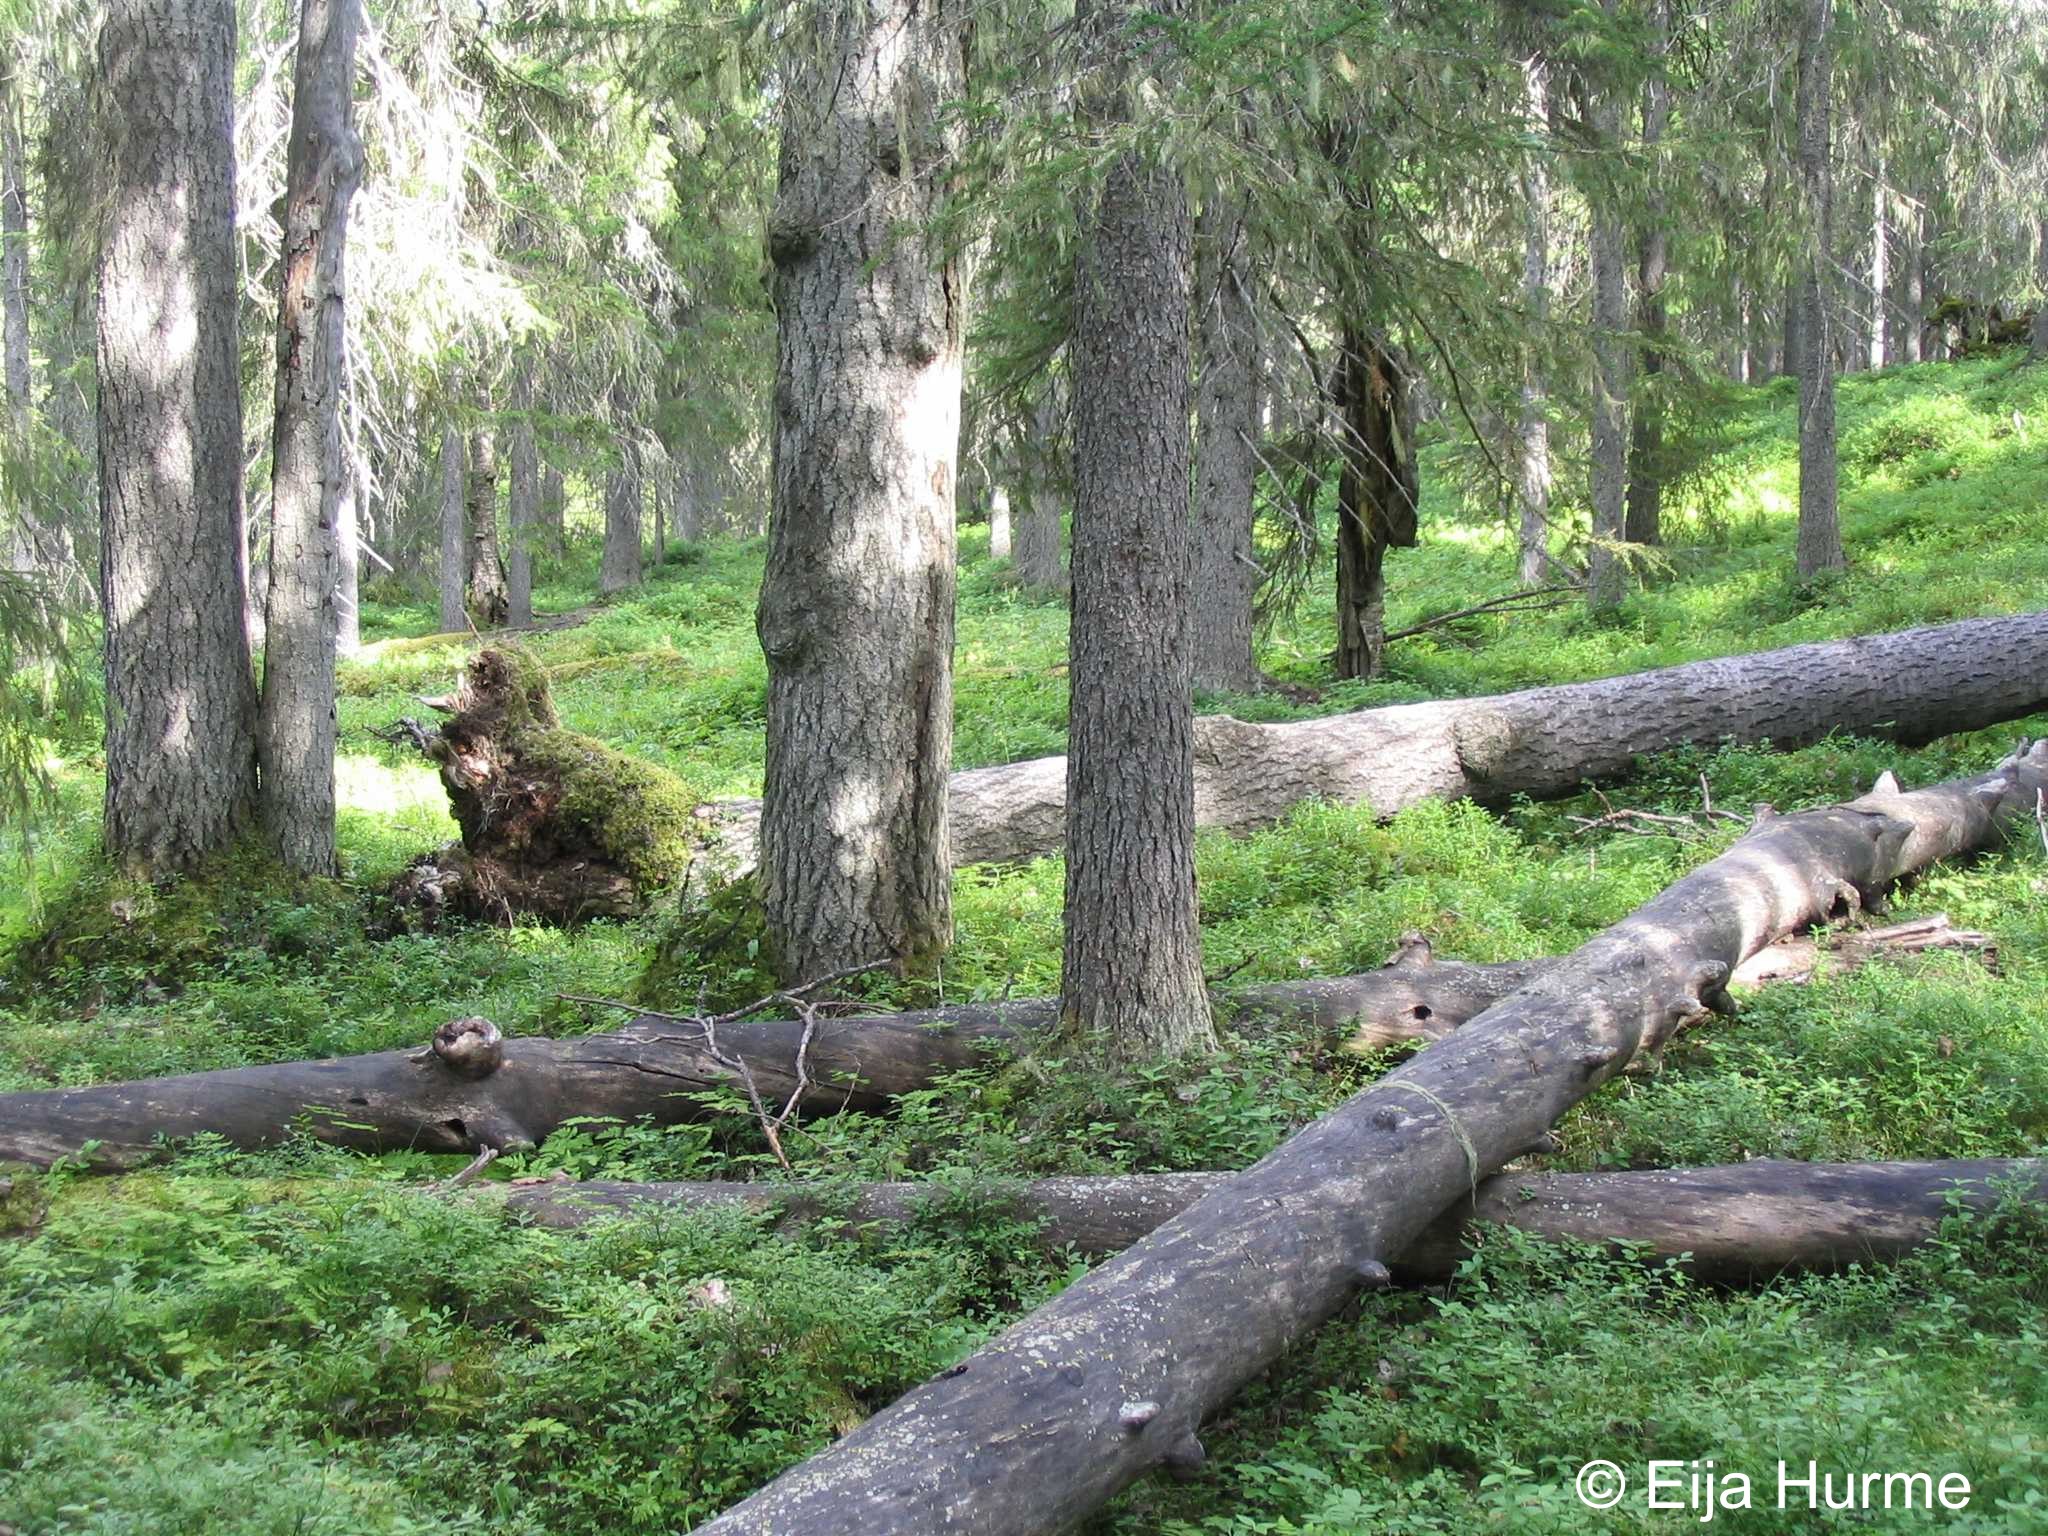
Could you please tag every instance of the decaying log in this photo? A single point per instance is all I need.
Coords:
(1912, 686)
(1034, 1430)
(1730, 1224)
(554, 825)
(475, 1092)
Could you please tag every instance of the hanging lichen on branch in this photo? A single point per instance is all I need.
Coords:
(555, 825)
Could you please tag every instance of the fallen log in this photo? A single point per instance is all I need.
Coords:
(1728, 1224)
(658, 1067)
(1911, 686)
(1114, 1376)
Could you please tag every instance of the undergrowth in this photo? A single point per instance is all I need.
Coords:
(304, 1340)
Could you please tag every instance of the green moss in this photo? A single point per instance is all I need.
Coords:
(636, 812)
(714, 951)
(117, 937)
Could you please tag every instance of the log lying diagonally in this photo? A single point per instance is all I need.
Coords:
(656, 1067)
(1732, 1223)
(1114, 1376)
(1912, 685)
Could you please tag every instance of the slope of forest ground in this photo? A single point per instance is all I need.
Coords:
(305, 1340)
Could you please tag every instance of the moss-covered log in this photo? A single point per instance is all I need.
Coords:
(657, 1067)
(1115, 1375)
(1729, 1224)
(555, 825)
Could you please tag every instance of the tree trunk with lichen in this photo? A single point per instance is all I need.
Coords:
(181, 688)
(1114, 1376)
(295, 729)
(554, 825)
(489, 601)
(856, 609)
(1131, 967)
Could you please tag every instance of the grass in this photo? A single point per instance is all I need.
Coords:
(303, 1340)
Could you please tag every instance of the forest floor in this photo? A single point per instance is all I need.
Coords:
(310, 1341)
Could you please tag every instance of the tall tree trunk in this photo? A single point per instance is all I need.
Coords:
(181, 691)
(1795, 342)
(2038, 340)
(999, 522)
(295, 724)
(1532, 429)
(1226, 577)
(658, 505)
(1820, 535)
(1131, 972)
(554, 503)
(14, 230)
(1912, 304)
(689, 508)
(856, 610)
(624, 513)
(1377, 494)
(1036, 484)
(1643, 520)
(1880, 278)
(1605, 569)
(33, 545)
(522, 498)
(488, 602)
(453, 546)
(348, 555)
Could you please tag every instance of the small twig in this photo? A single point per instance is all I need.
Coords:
(1222, 976)
(2041, 816)
(477, 1165)
(772, 1124)
(1512, 602)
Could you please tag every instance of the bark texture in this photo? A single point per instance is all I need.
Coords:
(862, 1062)
(1605, 567)
(1226, 575)
(1532, 429)
(454, 616)
(856, 609)
(1131, 971)
(1732, 1224)
(1643, 520)
(1377, 493)
(309, 474)
(181, 691)
(2037, 340)
(1040, 492)
(488, 602)
(1880, 267)
(1042, 1425)
(1912, 685)
(624, 510)
(348, 556)
(1819, 546)
(522, 499)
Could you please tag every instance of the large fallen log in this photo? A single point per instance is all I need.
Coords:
(659, 1067)
(1911, 686)
(1114, 1376)
(1727, 1224)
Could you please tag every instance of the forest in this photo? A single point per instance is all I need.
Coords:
(896, 766)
